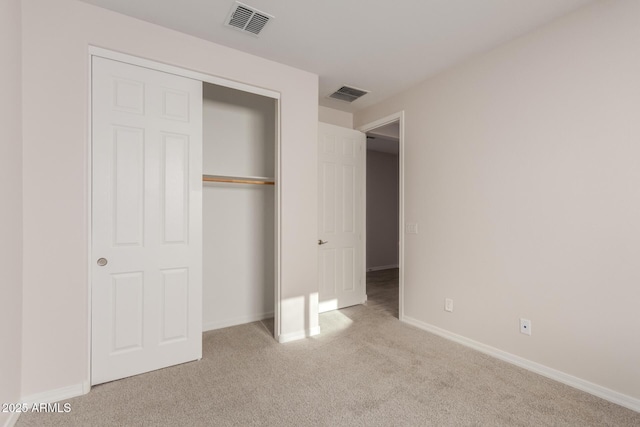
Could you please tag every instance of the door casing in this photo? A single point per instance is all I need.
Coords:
(399, 117)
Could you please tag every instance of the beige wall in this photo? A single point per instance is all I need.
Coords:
(522, 173)
(11, 206)
(335, 117)
(55, 71)
(382, 209)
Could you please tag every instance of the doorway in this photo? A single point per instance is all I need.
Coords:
(384, 214)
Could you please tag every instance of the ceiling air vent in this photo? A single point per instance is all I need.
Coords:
(247, 19)
(349, 94)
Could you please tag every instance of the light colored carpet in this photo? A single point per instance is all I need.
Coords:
(365, 369)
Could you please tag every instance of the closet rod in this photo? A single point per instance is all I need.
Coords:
(235, 180)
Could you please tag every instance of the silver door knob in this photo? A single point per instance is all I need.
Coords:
(102, 262)
(322, 242)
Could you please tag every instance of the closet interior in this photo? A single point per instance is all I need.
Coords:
(239, 194)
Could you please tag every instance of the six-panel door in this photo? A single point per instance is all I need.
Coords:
(340, 217)
(146, 220)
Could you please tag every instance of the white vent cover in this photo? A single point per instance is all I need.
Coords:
(348, 94)
(247, 19)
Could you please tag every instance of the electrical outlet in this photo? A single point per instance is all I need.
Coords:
(525, 326)
(448, 305)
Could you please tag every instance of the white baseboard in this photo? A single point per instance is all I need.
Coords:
(219, 324)
(383, 267)
(294, 336)
(57, 395)
(562, 377)
(12, 420)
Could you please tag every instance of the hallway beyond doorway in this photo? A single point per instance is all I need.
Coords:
(382, 291)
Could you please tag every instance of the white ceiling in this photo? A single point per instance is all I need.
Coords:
(384, 46)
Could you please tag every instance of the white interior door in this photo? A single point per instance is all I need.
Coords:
(146, 220)
(341, 217)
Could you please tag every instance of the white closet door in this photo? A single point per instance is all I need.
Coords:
(340, 217)
(146, 220)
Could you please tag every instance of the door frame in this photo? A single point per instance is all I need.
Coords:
(205, 78)
(399, 117)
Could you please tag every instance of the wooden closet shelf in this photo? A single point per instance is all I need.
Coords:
(256, 180)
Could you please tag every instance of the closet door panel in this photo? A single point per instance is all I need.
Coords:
(128, 95)
(128, 183)
(175, 305)
(175, 105)
(175, 159)
(127, 300)
(146, 220)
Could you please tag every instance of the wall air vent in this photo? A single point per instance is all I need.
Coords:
(247, 19)
(349, 94)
